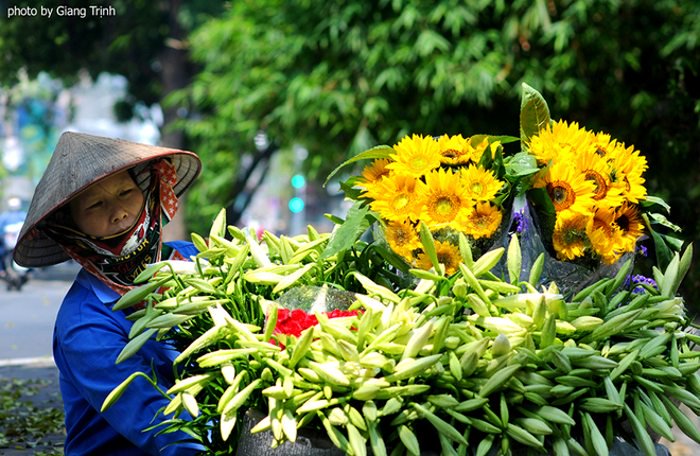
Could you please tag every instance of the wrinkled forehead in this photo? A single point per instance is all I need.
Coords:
(112, 183)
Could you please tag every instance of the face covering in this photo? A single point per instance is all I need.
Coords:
(117, 260)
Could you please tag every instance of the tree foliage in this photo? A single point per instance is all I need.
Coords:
(132, 42)
(339, 77)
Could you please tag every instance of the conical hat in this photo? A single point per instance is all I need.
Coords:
(79, 161)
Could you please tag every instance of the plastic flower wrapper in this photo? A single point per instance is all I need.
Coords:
(450, 184)
(588, 205)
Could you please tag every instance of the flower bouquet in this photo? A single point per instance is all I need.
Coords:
(587, 200)
(449, 184)
(353, 347)
(576, 195)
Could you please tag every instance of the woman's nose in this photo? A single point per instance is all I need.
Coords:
(118, 214)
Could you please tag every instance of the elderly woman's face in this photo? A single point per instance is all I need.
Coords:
(108, 207)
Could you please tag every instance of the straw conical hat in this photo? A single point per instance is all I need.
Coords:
(79, 161)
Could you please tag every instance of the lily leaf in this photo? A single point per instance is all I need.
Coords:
(345, 235)
(652, 200)
(662, 220)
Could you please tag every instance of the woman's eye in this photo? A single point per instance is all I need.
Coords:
(126, 192)
(95, 205)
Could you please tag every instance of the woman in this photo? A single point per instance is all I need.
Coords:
(103, 203)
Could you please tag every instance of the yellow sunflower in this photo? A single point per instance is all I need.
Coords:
(629, 221)
(402, 238)
(447, 254)
(454, 150)
(445, 197)
(396, 197)
(558, 139)
(481, 222)
(415, 156)
(628, 167)
(603, 144)
(605, 236)
(596, 169)
(478, 150)
(481, 184)
(376, 170)
(567, 188)
(569, 236)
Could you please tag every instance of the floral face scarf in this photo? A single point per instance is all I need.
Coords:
(117, 260)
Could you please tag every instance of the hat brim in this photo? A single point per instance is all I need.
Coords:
(79, 161)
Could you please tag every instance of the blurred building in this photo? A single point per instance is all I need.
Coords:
(34, 113)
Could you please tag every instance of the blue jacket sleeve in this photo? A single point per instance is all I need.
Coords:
(89, 346)
(186, 248)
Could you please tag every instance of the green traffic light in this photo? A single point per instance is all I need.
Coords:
(296, 205)
(298, 181)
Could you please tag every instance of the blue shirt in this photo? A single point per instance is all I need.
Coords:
(88, 337)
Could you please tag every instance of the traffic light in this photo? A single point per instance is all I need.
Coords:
(296, 203)
(298, 181)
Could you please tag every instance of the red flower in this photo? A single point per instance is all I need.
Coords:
(293, 322)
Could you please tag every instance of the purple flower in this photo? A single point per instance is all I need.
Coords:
(639, 280)
(642, 250)
(519, 221)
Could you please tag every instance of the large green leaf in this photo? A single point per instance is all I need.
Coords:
(374, 153)
(534, 114)
(345, 235)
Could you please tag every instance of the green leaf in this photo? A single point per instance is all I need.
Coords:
(686, 260)
(663, 252)
(534, 114)
(662, 220)
(428, 242)
(521, 164)
(138, 294)
(135, 345)
(149, 272)
(503, 139)
(374, 153)
(117, 392)
(345, 235)
(218, 227)
(515, 259)
(655, 201)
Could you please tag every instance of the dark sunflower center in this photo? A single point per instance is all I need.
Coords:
(601, 189)
(451, 153)
(623, 222)
(447, 259)
(561, 194)
(573, 235)
(401, 236)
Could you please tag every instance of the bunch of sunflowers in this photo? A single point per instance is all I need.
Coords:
(445, 183)
(587, 190)
(595, 184)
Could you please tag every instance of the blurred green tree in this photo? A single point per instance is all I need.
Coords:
(340, 76)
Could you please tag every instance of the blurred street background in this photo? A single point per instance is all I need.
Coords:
(274, 94)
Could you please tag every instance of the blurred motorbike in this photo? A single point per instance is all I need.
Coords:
(11, 221)
(14, 275)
